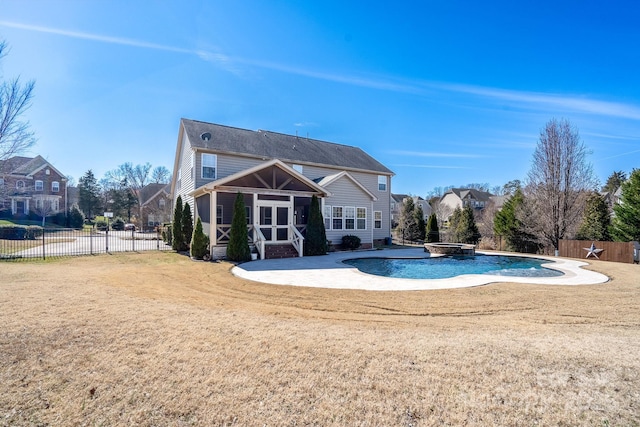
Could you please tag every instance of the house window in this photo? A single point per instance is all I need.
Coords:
(349, 218)
(209, 163)
(55, 187)
(247, 210)
(336, 218)
(56, 205)
(20, 185)
(377, 219)
(327, 217)
(361, 218)
(382, 183)
(297, 168)
(219, 214)
(162, 203)
(39, 185)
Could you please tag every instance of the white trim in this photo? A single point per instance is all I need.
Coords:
(330, 179)
(215, 165)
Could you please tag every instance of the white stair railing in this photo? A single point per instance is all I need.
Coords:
(297, 241)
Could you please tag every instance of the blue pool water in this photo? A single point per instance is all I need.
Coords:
(451, 266)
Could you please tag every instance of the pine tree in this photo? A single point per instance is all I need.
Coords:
(89, 194)
(466, 230)
(199, 242)
(187, 226)
(407, 221)
(238, 247)
(316, 239)
(432, 232)
(178, 238)
(507, 224)
(626, 222)
(454, 221)
(596, 220)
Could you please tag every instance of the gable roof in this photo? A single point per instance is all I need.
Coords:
(150, 191)
(303, 180)
(272, 145)
(26, 166)
(328, 180)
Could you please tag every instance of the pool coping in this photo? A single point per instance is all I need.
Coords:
(329, 272)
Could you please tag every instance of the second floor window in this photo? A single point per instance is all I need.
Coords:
(55, 186)
(39, 185)
(209, 163)
(382, 183)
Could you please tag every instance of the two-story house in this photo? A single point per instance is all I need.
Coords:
(463, 197)
(31, 185)
(277, 175)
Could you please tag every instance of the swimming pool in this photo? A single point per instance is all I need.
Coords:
(452, 266)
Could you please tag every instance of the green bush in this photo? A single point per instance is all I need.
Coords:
(199, 242)
(76, 218)
(238, 247)
(101, 225)
(178, 239)
(350, 242)
(117, 224)
(316, 238)
(167, 236)
(187, 225)
(20, 232)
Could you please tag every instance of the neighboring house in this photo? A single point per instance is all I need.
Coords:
(396, 208)
(278, 174)
(156, 205)
(463, 197)
(397, 200)
(31, 185)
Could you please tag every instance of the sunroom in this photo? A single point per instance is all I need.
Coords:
(277, 200)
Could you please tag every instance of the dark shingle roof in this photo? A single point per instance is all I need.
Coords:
(272, 145)
(150, 190)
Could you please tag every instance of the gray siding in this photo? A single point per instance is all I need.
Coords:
(346, 193)
(186, 181)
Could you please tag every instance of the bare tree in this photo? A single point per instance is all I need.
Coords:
(557, 183)
(136, 177)
(161, 175)
(15, 99)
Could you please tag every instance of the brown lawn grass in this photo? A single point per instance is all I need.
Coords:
(156, 339)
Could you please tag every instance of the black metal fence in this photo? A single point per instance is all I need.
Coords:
(58, 242)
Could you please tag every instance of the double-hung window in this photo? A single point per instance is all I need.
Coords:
(349, 218)
(327, 217)
(382, 183)
(377, 219)
(336, 218)
(209, 166)
(39, 185)
(361, 218)
(55, 186)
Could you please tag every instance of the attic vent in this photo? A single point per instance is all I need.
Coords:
(206, 136)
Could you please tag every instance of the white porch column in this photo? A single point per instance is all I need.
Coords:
(213, 215)
(26, 206)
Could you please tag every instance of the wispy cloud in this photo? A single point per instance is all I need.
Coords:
(436, 155)
(535, 101)
(620, 155)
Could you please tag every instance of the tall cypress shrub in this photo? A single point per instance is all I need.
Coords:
(187, 226)
(178, 238)
(199, 242)
(433, 233)
(316, 239)
(238, 247)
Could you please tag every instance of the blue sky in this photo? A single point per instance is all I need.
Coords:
(442, 92)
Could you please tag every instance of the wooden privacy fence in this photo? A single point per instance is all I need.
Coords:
(611, 251)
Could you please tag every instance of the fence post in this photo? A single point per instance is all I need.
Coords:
(158, 238)
(91, 241)
(43, 255)
(106, 239)
(133, 239)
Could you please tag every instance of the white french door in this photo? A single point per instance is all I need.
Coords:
(274, 220)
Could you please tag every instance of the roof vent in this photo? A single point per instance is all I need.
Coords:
(206, 136)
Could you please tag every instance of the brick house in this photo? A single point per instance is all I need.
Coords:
(31, 186)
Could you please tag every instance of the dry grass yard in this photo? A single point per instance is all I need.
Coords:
(156, 339)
